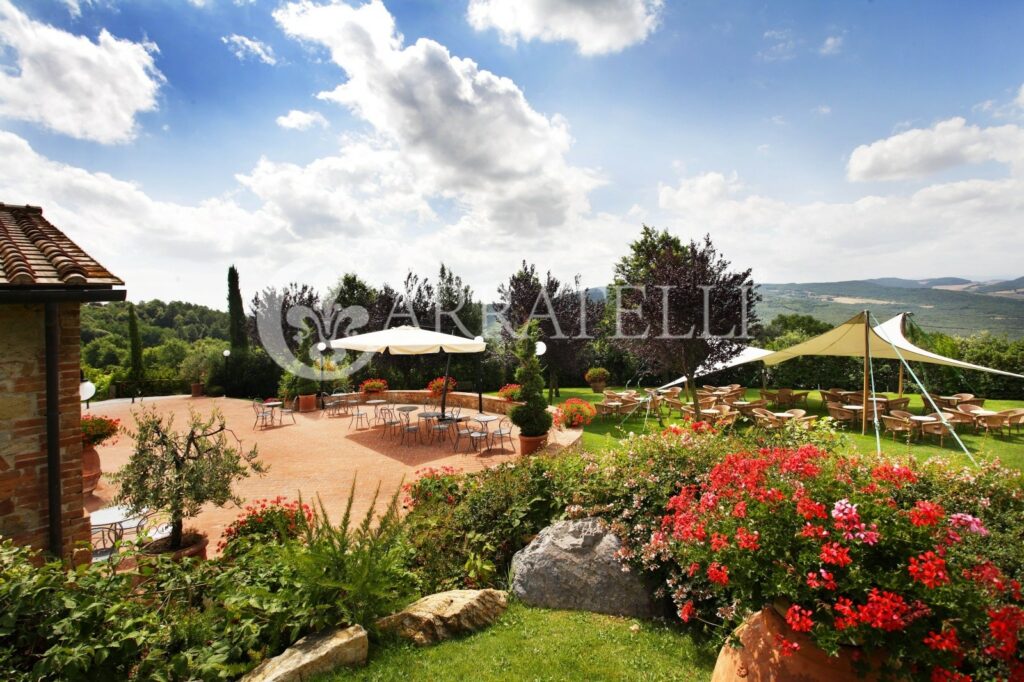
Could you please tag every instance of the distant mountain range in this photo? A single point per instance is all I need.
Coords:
(951, 305)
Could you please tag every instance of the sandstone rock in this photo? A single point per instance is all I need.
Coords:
(572, 565)
(446, 614)
(314, 655)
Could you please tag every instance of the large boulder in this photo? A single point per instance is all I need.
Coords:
(314, 655)
(446, 614)
(572, 565)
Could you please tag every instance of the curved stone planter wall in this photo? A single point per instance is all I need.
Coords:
(461, 399)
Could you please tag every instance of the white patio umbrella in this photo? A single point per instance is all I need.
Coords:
(408, 340)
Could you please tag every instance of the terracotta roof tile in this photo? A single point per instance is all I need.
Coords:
(34, 253)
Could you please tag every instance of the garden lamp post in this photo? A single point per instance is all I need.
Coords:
(479, 378)
(227, 354)
(322, 346)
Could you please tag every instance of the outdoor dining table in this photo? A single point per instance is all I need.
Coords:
(117, 516)
(783, 415)
(273, 405)
(377, 402)
(407, 408)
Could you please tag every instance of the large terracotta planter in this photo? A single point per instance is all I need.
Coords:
(760, 658)
(91, 470)
(307, 403)
(598, 387)
(197, 389)
(195, 549)
(530, 444)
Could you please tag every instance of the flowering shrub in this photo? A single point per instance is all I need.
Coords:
(574, 413)
(432, 485)
(268, 520)
(97, 430)
(510, 391)
(436, 386)
(852, 552)
(597, 375)
(373, 385)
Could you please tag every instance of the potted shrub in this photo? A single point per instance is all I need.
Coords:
(597, 377)
(300, 389)
(177, 472)
(196, 366)
(436, 387)
(856, 562)
(532, 417)
(510, 392)
(374, 386)
(95, 431)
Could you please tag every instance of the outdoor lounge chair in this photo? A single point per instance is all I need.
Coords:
(895, 425)
(992, 422)
(840, 414)
(936, 428)
(1014, 418)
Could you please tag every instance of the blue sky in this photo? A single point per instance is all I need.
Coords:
(815, 141)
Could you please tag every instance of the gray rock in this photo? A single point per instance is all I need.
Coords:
(572, 565)
(314, 655)
(446, 614)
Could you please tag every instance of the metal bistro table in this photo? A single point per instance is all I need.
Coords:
(376, 402)
(273, 405)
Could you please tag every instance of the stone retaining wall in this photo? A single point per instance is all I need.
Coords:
(467, 401)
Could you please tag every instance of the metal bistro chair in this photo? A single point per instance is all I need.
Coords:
(409, 428)
(463, 431)
(503, 431)
(358, 416)
(479, 435)
(286, 411)
(389, 419)
(105, 540)
(264, 415)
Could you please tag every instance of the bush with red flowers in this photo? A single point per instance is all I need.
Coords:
(436, 386)
(434, 485)
(510, 391)
(373, 385)
(574, 413)
(853, 552)
(264, 520)
(97, 430)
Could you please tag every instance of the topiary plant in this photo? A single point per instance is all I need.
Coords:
(532, 417)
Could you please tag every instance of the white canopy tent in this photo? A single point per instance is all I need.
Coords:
(408, 340)
(748, 354)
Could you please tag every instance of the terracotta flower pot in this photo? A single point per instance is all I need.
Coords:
(530, 444)
(307, 403)
(91, 470)
(197, 389)
(760, 658)
(195, 548)
(598, 386)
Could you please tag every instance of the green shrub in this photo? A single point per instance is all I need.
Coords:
(532, 418)
(597, 375)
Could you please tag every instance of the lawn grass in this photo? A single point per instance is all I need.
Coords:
(538, 644)
(604, 433)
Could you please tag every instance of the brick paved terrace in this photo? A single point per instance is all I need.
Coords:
(319, 455)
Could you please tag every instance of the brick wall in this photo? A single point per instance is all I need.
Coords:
(24, 514)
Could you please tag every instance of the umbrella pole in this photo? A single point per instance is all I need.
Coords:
(864, 405)
(901, 380)
(444, 386)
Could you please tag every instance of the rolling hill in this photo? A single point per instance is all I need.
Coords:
(959, 312)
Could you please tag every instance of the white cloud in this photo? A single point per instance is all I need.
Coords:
(595, 26)
(1019, 101)
(828, 241)
(468, 135)
(301, 120)
(69, 84)
(833, 45)
(920, 152)
(822, 110)
(778, 119)
(781, 46)
(243, 48)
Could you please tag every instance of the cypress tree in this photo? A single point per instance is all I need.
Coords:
(237, 332)
(136, 370)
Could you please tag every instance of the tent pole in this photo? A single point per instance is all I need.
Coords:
(444, 386)
(901, 380)
(864, 405)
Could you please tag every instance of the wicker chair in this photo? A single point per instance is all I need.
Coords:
(957, 417)
(899, 404)
(797, 413)
(900, 414)
(937, 428)
(840, 414)
(993, 422)
(896, 425)
(1014, 418)
(766, 420)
